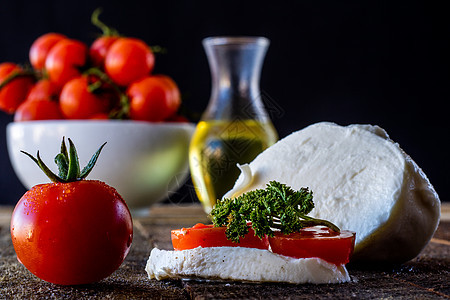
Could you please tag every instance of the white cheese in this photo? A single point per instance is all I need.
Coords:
(361, 181)
(243, 264)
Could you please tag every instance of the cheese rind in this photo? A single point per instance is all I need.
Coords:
(243, 264)
(362, 181)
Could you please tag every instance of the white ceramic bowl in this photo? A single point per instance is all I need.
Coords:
(143, 161)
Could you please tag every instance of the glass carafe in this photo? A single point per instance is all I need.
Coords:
(235, 126)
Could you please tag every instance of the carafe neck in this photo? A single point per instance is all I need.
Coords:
(235, 64)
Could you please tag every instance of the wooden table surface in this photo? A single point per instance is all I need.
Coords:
(425, 277)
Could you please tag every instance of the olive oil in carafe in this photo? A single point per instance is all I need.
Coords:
(216, 149)
(235, 126)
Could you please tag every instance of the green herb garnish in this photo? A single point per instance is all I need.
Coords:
(276, 207)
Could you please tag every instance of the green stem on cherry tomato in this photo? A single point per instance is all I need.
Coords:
(102, 76)
(107, 31)
(17, 74)
(95, 86)
(158, 49)
(123, 109)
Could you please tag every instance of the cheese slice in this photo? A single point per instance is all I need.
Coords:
(243, 264)
(361, 181)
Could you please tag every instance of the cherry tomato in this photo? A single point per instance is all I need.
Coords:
(64, 61)
(153, 98)
(317, 241)
(100, 116)
(38, 109)
(78, 103)
(43, 89)
(14, 92)
(127, 60)
(210, 236)
(41, 46)
(71, 233)
(99, 48)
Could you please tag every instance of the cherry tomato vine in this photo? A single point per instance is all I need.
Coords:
(112, 77)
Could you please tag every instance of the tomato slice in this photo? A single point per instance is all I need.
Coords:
(317, 241)
(210, 236)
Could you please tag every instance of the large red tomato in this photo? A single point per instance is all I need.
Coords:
(64, 61)
(77, 102)
(153, 98)
(210, 236)
(41, 46)
(14, 92)
(127, 60)
(72, 231)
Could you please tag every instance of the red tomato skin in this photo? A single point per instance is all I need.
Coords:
(38, 109)
(173, 102)
(15, 92)
(318, 242)
(177, 119)
(153, 98)
(71, 233)
(99, 116)
(64, 60)
(43, 89)
(77, 102)
(210, 236)
(99, 49)
(128, 60)
(41, 47)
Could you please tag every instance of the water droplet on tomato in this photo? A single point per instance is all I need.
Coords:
(30, 236)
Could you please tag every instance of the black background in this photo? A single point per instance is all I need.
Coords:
(377, 62)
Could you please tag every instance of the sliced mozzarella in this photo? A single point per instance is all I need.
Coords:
(243, 264)
(361, 180)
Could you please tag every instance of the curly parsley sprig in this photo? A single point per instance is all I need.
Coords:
(276, 207)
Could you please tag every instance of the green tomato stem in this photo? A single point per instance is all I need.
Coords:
(107, 31)
(68, 164)
(18, 74)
